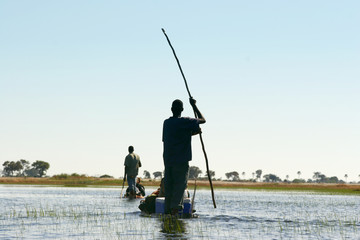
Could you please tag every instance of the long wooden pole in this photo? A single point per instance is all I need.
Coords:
(193, 199)
(121, 194)
(200, 134)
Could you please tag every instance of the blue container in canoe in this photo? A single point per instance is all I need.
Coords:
(160, 206)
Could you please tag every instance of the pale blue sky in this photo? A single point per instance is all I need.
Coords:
(278, 82)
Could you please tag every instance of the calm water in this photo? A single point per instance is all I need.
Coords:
(29, 212)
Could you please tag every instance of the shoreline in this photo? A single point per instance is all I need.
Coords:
(332, 188)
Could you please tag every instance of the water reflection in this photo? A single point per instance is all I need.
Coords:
(173, 227)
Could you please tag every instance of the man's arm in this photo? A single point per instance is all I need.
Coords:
(200, 117)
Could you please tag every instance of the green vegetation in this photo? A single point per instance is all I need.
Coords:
(21, 172)
(22, 168)
(194, 172)
(72, 180)
(353, 189)
(76, 180)
(147, 174)
(157, 174)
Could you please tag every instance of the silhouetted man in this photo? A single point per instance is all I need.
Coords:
(132, 164)
(177, 132)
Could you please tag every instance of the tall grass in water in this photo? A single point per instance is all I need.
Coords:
(240, 214)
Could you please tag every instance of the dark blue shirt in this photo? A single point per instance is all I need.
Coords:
(177, 134)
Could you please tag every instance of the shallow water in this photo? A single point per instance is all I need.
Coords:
(33, 212)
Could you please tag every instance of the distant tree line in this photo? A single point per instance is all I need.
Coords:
(76, 175)
(321, 178)
(194, 173)
(257, 176)
(23, 168)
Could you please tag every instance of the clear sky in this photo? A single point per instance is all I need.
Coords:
(277, 81)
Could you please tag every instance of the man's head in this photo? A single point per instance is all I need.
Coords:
(131, 149)
(177, 107)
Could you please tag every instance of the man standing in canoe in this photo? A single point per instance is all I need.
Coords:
(132, 164)
(177, 132)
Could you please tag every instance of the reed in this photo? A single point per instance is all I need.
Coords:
(76, 222)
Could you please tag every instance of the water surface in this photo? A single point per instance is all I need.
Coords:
(33, 212)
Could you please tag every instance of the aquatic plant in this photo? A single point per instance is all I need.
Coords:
(100, 214)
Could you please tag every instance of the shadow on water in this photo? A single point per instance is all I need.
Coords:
(173, 228)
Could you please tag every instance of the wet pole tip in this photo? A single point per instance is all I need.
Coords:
(163, 30)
